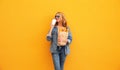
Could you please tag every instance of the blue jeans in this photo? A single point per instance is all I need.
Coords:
(59, 58)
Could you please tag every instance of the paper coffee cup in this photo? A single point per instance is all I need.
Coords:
(53, 21)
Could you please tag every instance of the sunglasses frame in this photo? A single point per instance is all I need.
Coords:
(57, 16)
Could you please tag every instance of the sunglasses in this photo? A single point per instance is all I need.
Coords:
(57, 16)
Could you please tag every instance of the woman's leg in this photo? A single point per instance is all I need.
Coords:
(62, 58)
(56, 61)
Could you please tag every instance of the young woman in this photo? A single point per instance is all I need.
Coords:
(60, 37)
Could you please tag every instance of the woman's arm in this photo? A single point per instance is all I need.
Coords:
(49, 36)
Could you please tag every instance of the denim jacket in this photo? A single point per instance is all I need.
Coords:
(53, 39)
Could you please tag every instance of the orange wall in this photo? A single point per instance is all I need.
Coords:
(95, 26)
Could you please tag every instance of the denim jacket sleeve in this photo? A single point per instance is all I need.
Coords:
(49, 37)
(69, 36)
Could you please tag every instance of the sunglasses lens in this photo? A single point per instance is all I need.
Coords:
(57, 16)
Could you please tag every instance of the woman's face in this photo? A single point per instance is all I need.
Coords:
(58, 17)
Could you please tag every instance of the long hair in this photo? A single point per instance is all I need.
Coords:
(64, 21)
